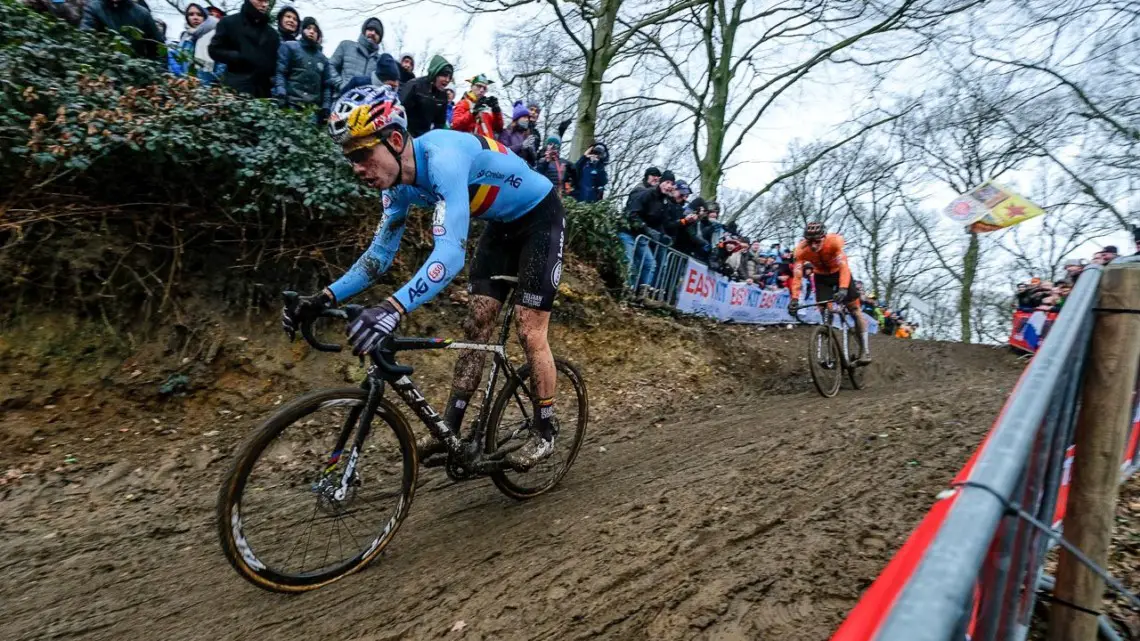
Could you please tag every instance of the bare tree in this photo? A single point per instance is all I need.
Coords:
(727, 64)
(962, 138)
(634, 134)
(1085, 50)
(600, 32)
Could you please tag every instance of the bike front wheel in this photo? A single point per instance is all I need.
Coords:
(825, 361)
(302, 506)
(512, 416)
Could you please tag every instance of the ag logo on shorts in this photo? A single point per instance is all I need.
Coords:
(436, 271)
(438, 230)
(387, 200)
(556, 274)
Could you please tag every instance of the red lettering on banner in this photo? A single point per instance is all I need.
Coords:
(698, 283)
(689, 285)
(738, 295)
(767, 299)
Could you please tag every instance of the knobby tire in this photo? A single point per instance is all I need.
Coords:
(228, 512)
(506, 395)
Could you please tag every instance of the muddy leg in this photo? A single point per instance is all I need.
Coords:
(532, 328)
(477, 328)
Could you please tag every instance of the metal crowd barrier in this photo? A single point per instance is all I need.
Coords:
(670, 266)
(971, 570)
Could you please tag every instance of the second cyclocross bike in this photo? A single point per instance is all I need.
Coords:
(321, 487)
(830, 350)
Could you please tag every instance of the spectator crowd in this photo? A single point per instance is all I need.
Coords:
(659, 215)
(281, 57)
(1038, 294)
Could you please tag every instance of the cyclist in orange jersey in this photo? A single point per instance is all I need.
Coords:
(832, 278)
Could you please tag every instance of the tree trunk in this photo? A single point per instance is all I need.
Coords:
(966, 300)
(601, 54)
(710, 163)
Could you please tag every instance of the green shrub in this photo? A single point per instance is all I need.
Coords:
(591, 235)
(79, 113)
(121, 181)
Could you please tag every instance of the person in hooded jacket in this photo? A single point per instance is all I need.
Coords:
(193, 54)
(407, 68)
(288, 23)
(590, 171)
(519, 137)
(425, 99)
(645, 216)
(304, 76)
(477, 112)
(359, 58)
(114, 15)
(556, 170)
(247, 45)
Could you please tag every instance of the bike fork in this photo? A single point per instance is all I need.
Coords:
(375, 392)
(846, 352)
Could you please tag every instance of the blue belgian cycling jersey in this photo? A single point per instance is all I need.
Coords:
(461, 175)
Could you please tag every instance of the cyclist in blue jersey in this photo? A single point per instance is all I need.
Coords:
(462, 176)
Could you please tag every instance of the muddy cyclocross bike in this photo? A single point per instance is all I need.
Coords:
(830, 349)
(320, 488)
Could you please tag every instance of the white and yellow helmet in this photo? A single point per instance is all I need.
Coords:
(362, 113)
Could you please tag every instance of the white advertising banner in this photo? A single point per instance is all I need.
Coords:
(705, 293)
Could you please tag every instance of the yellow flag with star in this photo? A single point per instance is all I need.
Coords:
(1002, 207)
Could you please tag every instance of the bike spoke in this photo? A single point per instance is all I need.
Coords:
(304, 537)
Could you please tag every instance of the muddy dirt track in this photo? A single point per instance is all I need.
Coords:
(708, 519)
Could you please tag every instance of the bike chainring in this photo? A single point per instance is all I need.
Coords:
(457, 471)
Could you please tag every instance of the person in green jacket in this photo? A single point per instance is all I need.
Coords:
(425, 98)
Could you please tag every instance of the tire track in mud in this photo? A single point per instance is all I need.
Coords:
(716, 523)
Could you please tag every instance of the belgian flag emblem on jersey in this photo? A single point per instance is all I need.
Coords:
(483, 196)
(490, 144)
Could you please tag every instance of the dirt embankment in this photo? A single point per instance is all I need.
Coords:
(717, 496)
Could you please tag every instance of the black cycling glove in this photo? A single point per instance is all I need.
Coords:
(308, 309)
(840, 294)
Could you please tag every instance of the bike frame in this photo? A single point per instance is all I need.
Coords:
(845, 321)
(384, 370)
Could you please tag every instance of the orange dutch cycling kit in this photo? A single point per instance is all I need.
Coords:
(830, 260)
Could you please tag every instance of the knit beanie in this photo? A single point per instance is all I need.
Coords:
(387, 68)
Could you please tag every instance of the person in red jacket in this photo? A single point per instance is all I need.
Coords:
(477, 113)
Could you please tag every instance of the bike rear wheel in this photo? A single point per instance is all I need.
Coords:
(512, 415)
(855, 345)
(825, 361)
(288, 499)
